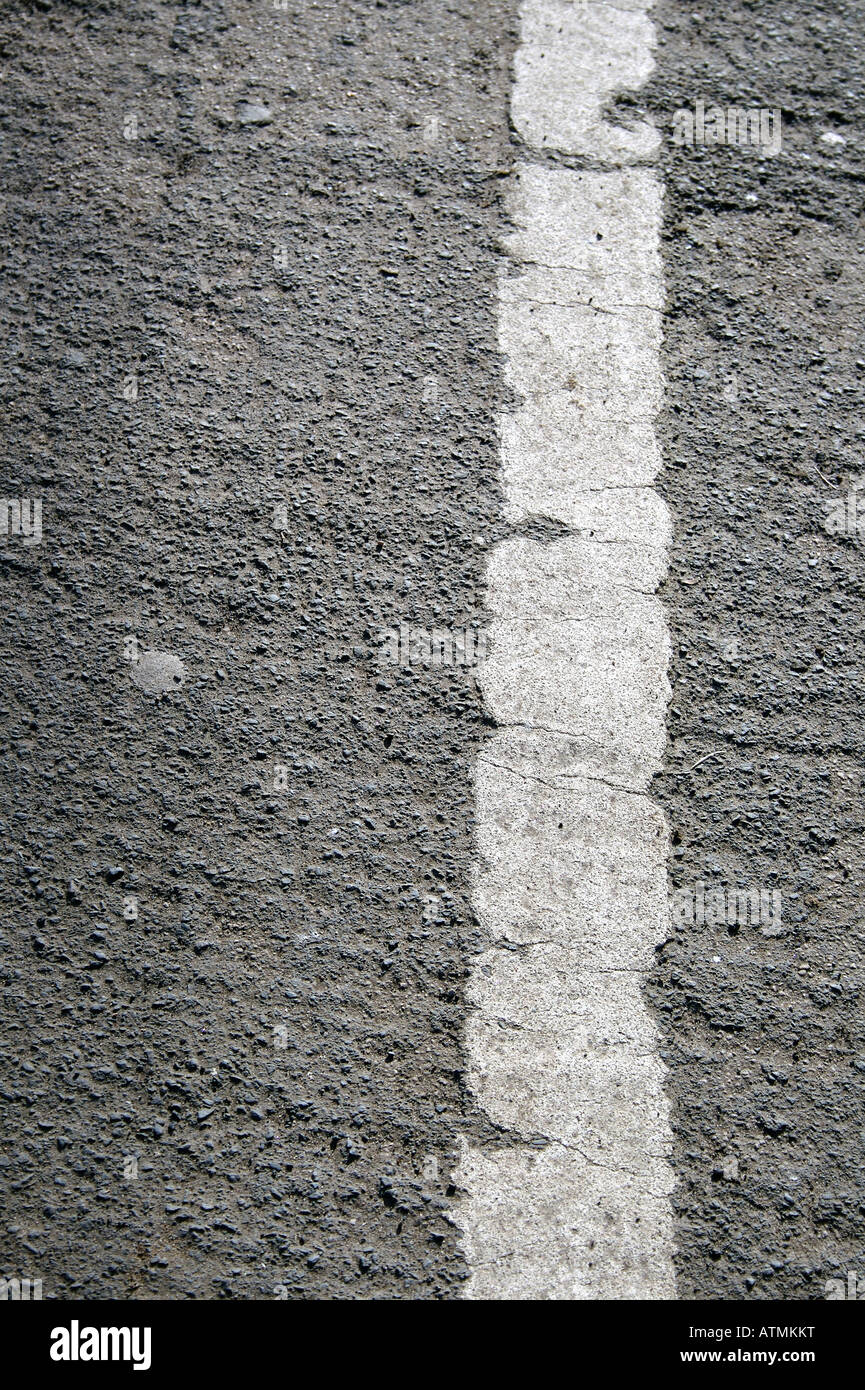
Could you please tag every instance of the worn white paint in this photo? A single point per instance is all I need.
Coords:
(573, 56)
(571, 885)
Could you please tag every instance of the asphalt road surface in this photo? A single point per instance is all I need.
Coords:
(432, 763)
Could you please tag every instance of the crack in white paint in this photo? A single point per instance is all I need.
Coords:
(571, 883)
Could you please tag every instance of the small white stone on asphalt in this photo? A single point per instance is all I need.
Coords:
(157, 672)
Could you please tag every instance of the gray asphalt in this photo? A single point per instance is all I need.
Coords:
(254, 1088)
(286, 815)
(764, 259)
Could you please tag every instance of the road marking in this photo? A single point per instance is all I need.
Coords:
(571, 886)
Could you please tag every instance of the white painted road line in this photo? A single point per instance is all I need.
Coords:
(572, 879)
(572, 58)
